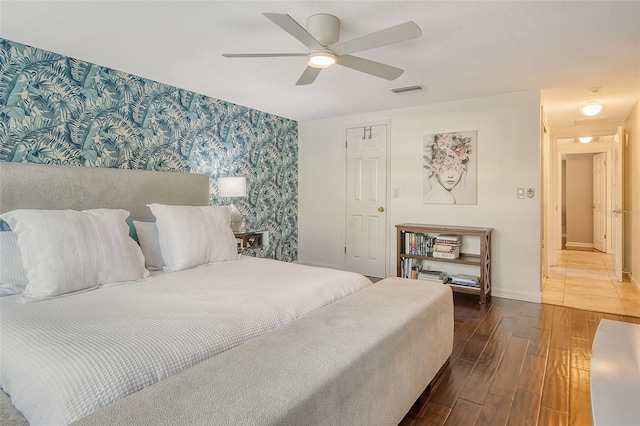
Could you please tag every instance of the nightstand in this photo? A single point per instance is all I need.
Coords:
(251, 240)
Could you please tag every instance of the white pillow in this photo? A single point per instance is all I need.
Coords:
(194, 235)
(13, 277)
(64, 251)
(150, 244)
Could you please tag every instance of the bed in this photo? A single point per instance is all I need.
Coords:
(209, 343)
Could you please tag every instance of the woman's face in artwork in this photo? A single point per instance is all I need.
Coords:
(449, 178)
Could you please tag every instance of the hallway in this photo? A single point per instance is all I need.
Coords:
(586, 280)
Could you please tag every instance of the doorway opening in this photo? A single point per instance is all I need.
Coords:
(585, 190)
(579, 276)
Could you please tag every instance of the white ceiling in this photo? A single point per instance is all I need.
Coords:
(467, 50)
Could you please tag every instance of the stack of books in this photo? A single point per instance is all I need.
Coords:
(465, 280)
(446, 246)
(429, 275)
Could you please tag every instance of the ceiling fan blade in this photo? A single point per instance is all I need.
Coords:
(370, 67)
(403, 32)
(261, 55)
(308, 76)
(289, 24)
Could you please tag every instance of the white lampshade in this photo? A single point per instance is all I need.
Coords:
(232, 186)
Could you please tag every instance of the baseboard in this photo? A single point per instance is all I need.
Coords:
(578, 245)
(634, 281)
(516, 295)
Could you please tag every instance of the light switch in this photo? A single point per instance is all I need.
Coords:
(520, 195)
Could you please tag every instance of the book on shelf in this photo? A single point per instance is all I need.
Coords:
(448, 237)
(434, 280)
(415, 243)
(444, 244)
(467, 277)
(436, 276)
(446, 248)
(465, 280)
(431, 272)
(410, 267)
(446, 255)
(463, 285)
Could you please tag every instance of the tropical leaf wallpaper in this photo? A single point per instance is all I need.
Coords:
(60, 110)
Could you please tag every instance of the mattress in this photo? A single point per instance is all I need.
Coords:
(62, 359)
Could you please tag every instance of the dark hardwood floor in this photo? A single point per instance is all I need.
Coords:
(514, 363)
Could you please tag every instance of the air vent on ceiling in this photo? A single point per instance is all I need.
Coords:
(406, 89)
(591, 121)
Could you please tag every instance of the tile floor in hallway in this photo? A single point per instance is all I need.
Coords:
(586, 280)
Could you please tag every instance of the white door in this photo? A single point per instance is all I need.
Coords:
(366, 191)
(618, 158)
(599, 202)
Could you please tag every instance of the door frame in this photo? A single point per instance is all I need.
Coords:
(618, 173)
(607, 187)
(387, 195)
(578, 148)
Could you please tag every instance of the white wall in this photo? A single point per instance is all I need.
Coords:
(508, 154)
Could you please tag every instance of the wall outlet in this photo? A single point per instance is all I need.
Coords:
(531, 192)
(520, 194)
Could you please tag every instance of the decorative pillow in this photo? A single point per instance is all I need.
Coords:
(13, 277)
(194, 235)
(65, 251)
(149, 243)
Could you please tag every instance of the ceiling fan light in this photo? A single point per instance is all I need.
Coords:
(321, 59)
(585, 139)
(591, 108)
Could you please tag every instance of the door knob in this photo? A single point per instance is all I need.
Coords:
(380, 209)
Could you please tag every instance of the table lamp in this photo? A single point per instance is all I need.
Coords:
(233, 187)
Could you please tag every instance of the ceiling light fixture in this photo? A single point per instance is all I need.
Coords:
(591, 108)
(585, 139)
(321, 59)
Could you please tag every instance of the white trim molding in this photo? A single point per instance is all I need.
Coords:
(578, 245)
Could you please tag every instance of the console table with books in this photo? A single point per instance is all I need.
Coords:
(419, 244)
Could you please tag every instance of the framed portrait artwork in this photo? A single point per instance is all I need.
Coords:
(450, 168)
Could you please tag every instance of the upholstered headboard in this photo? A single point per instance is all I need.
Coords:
(36, 186)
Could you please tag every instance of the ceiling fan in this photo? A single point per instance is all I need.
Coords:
(321, 37)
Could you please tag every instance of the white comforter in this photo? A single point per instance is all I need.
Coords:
(63, 358)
